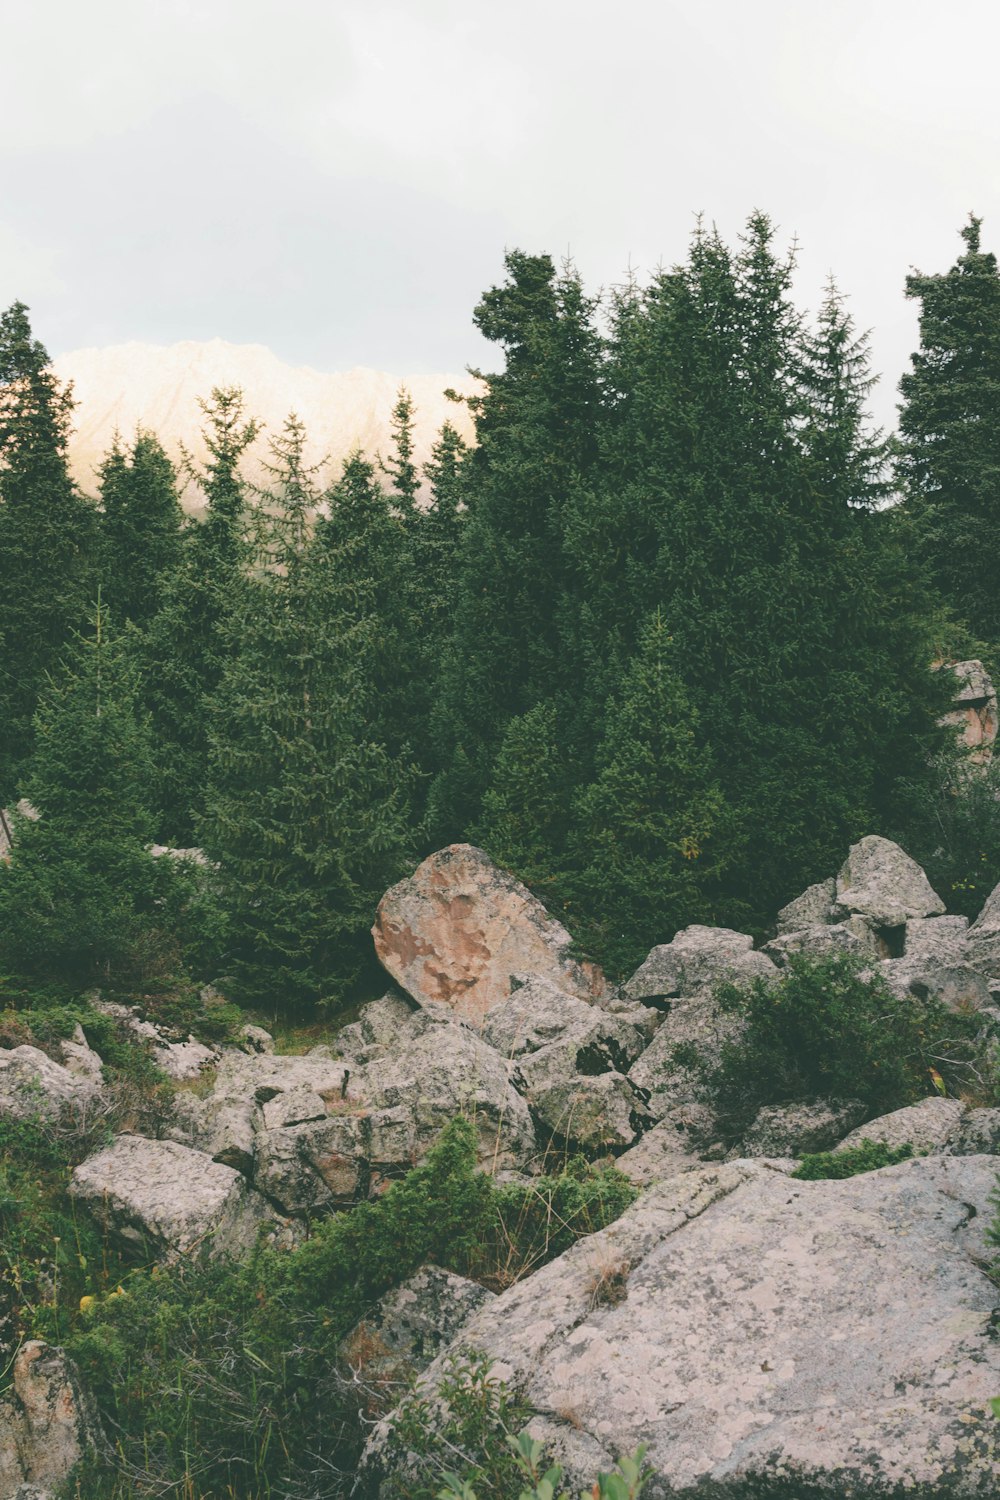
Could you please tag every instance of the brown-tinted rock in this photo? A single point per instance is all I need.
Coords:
(454, 933)
(47, 1422)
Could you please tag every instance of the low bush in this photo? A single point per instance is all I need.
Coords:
(832, 1028)
(870, 1156)
(229, 1380)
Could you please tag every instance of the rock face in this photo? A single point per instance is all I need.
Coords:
(698, 959)
(454, 933)
(47, 1423)
(765, 1336)
(33, 1087)
(881, 882)
(410, 1325)
(165, 1197)
(975, 713)
(796, 1129)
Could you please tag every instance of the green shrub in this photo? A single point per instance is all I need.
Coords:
(261, 1401)
(831, 1028)
(870, 1156)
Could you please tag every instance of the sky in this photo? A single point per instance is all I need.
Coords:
(339, 179)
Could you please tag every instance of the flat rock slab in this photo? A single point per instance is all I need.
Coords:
(454, 933)
(170, 1198)
(766, 1338)
(33, 1087)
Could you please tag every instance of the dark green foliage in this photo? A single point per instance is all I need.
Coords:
(260, 1400)
(79, 898)
(47, 535)
(526, 814)
(400, 468)
(536, 428)
(652, 833)
(184, 651)
(140, 527)
(870, 1156)
(953, 831)
(950, 460)
(306, 815)
(830, 1029)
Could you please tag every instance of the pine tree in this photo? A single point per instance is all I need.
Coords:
(141, 526)
(950, 464)
(78, 900)
(537, 435)
(47, 535)
(183, 653)
(652, 834)
(305, 813)
(401, 468)
(526, 816)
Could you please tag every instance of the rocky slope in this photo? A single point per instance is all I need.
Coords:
(768, 1337)
(158, 387)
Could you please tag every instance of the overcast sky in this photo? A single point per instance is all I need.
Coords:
(338, 179)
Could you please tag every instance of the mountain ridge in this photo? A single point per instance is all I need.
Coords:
(157, 387)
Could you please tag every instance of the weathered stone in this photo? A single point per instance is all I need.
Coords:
(381, 1026)
(184, 1061)
(255, 1039)
(605, 1112)
(456, 930)
(763, 1337)
(33, 1087)
(404, 1332)
(47, 1423)
(80, 1058)
(662, 1152)
(294, 1107)
(449, 1071)
(943, 940)
(958, 986)
(882, 882)
(224, 1127)
(811, 909)
(170, 1199)
(536, 1013)
(927, 1126)
(984, 938)
(978, 1134)
(855, 936)
(689, 1043)
(798, 1129)
(696, 960)
(262, 1076)
(975, 713)
(285, 1177)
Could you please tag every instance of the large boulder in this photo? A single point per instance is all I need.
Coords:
(764, 1337)
(381, 1026)
(454, 933)
(811, 909)
(696, 961)
(880, 881)
(784, 1130)
(929, 1125)
(445, 1072)
(984, 939)
(34, 1088)
(47, 1423)
(165, 1198)
(855, 937)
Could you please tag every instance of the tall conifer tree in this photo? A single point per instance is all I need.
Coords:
(141, 525)
(47, 535)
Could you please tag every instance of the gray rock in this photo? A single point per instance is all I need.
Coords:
(940, 940)
(536, 1013)
(80, 1058)
(294, 1107)
(958, 986)
(597, 1114)
(764, 1337)
(927, 1126)
(445, 1072)
(409, 1327)
(690, 1042)
(984, 938)
(811, 909)
(695, 961)
(882, 882)
(798, 1129)
(978, 1134)
(975, 713)
(662, 1152)
(221, 1126)
(33, 1087)
(165, 1197)
(264, 1075)
(456, 930)
(855, 936)
(382, 1026)
(47, 1423)
(255, 1039)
